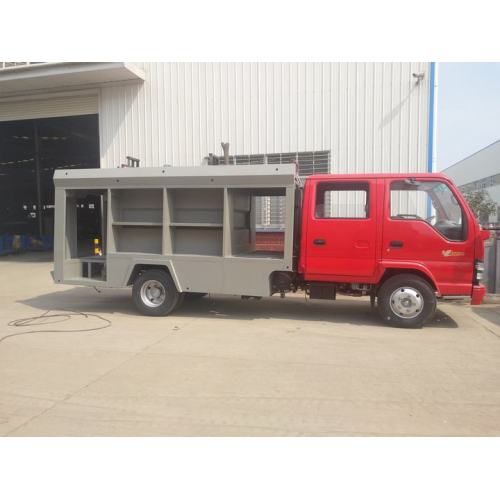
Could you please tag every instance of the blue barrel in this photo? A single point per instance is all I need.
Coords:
(8, 239)
(47, 241)
(5, 244)
(25, 242)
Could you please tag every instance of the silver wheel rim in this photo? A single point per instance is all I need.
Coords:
(153, 293)
(406, 302)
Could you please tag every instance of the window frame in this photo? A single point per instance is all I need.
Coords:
(366, 188)
(465, 225)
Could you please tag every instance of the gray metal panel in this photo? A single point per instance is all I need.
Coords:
(233, 276)
(59, 233)
(216, 176)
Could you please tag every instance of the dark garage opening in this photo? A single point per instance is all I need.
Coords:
(30, 151)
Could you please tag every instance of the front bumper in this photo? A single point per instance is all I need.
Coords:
(478, 293)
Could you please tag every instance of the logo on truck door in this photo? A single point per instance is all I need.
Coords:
(452, 253)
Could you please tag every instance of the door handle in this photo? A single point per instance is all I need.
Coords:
(396, 244)
(319, 242)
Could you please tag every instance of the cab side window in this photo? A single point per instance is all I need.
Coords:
(431, 202)
(342, 200)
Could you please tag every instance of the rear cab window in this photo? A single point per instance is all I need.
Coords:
(342, 200)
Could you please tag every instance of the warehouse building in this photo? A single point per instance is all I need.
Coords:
(326, 117)
(480, 171)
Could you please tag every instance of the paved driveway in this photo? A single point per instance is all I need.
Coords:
(224, 366)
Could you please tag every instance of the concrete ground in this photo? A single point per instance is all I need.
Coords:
(227, 367)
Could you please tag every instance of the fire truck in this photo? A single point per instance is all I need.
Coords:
(177, 233)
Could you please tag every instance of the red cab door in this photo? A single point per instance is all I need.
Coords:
(341, 230)
(426, 227)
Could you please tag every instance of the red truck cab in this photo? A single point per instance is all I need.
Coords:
(405, 240)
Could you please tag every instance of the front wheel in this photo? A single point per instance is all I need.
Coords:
(154, 293)
(406, 301)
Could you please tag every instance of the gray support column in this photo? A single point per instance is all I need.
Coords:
(104, 223)
(111, 211)
(227, 250)
(167, 247)
(71, 245)
(252, 222)
(59, 233)
(289, 219)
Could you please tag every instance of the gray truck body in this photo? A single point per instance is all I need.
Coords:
(199, 222)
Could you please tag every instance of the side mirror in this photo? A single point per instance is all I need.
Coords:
(484, 234)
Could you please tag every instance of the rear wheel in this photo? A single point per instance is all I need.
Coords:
(406, 301)
(154, 293)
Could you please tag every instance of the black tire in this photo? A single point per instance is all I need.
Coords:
(154, 293)
(406, 301)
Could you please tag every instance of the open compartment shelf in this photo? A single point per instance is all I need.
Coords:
(196, 221)
(138, 239)
(140, 206)
(93, 267)
(246, 207)
(202, 206)
(197, 240)
(137, 220)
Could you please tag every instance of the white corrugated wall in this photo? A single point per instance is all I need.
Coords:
(24, 109)
(372, 116)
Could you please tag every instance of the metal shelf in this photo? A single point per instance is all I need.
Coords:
(196, 224)
(141, 223)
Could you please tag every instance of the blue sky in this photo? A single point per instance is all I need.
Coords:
(468, 110)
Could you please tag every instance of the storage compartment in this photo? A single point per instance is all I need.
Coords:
(138, 239)
(201, 221)
(253, 233)
(196, 206)
(137, 216)
(137, 205)
(197, 240)
(93, 268)
(196, 220)
(86, 215)
(242, 220)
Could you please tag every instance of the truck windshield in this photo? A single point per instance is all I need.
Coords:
(430, 201)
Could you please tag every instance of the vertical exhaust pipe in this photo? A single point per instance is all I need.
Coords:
(225, 148)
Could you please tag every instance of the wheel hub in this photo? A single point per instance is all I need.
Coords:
(406, 302)
(153, 293)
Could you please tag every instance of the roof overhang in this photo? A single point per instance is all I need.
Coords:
(47, 76)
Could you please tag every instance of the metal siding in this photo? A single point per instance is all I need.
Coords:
(372, 116)
(48, 108)
(481, 164)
